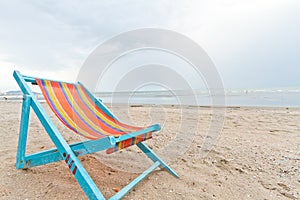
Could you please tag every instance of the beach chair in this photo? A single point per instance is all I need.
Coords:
(87, 116)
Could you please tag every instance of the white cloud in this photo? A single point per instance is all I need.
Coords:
(51, 37)
(253, 43)
(244, 37)
(7, 81)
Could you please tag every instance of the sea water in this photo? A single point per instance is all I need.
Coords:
(275, 97)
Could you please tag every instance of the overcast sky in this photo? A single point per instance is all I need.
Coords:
(253, 43)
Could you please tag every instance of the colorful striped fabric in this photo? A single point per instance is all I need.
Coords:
(76, 109)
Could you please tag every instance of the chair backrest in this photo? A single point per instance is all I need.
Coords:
(76, 108)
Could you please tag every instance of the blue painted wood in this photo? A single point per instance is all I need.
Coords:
(155, 158)
(69, 153)
(136, 181)
(32, 79)
(85, 181)
(29, 79)
(155, 127)
(20, 162)
(80, 149)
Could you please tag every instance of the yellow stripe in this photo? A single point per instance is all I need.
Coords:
(120, 145)
(81, 113)
(98, 113)
(62, 111)
(135, 140)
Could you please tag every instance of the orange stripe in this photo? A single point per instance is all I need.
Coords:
(91, 105)
(128, 142)
(68, 109)
(83, 115)
(91, 115)
(131, 128)
(69, 92)
(53, 107)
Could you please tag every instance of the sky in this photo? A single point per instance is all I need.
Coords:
(253, 43)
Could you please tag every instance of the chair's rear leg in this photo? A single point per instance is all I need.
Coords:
(155, 158)
(20, 161)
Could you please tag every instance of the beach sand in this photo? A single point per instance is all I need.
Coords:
(257, 156)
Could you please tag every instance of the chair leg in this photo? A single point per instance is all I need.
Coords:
(155, 158)
(157, 163)
(82, 176)
(135, 182)
(20, 161)
(75, 166)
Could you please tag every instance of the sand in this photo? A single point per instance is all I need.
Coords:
(257, 156)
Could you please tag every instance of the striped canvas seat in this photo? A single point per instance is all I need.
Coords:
(76, 108)
(87, 116)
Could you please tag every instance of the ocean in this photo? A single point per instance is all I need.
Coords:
(276, 97)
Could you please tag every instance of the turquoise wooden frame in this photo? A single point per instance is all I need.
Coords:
(69, 153)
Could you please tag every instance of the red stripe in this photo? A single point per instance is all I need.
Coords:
(67, 159)
(69, 111)
(44, 90)
(131, 128)
(71, 163)
(127, 143)
(74, 170)
(91, 115)
(87, 128)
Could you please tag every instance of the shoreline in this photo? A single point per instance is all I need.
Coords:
(177, 106)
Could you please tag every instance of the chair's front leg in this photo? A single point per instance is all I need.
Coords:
(20, 161)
